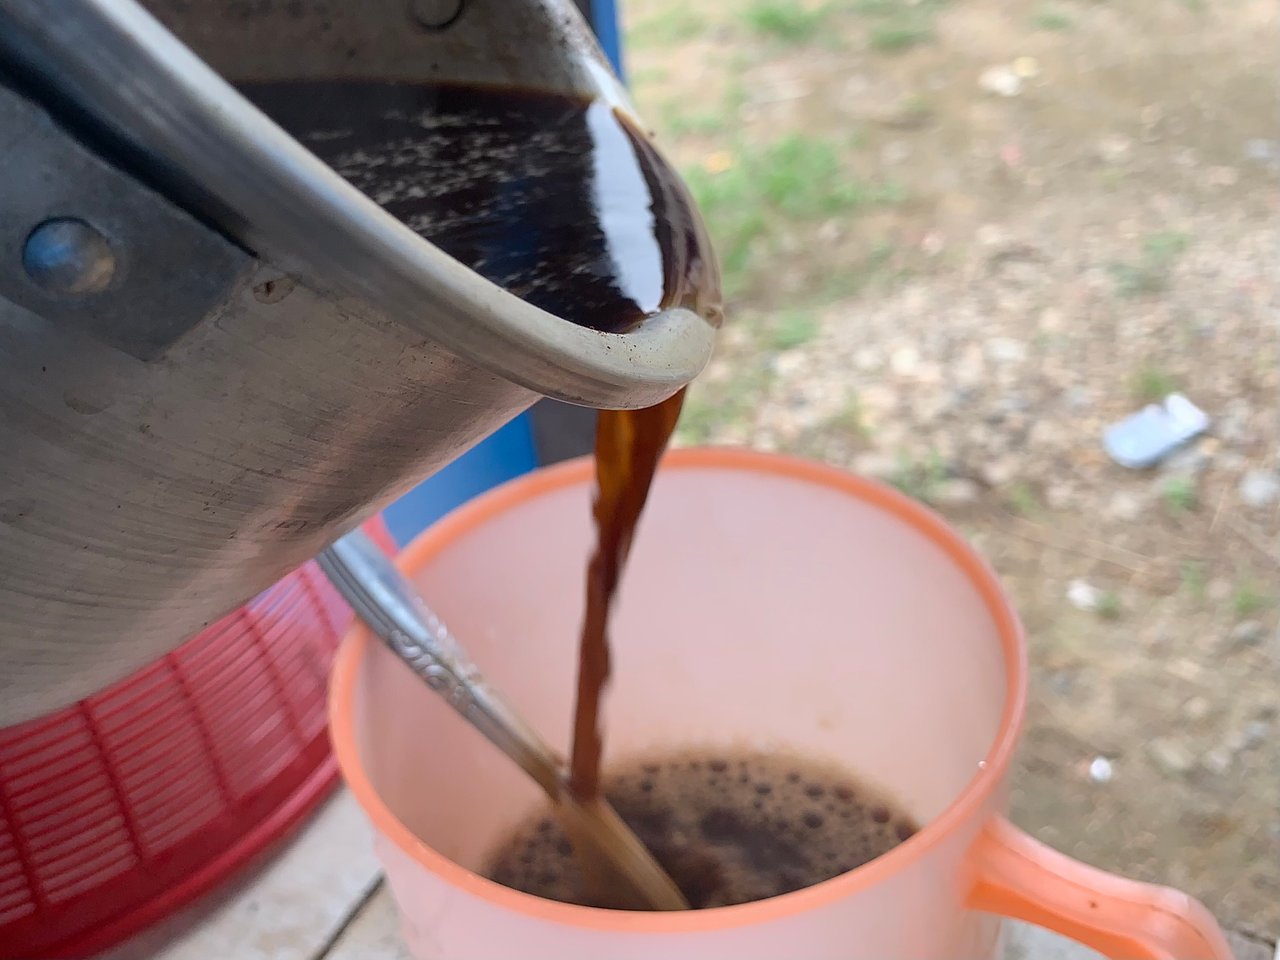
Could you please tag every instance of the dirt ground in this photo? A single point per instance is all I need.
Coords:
(960, 238)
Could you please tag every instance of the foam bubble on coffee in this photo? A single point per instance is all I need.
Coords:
(730, 827)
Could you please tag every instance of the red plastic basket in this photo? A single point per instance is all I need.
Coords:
(118, 810)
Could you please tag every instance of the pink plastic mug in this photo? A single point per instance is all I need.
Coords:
(769, 603)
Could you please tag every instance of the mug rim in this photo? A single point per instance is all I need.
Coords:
(434, 540)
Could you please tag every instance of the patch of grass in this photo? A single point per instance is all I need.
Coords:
(710, 409)
(793, 328)
(1151, 272)
(919, 480)
(698, 422)
(880, 255)
(1249, 599)
(735, 218)
(800, 175)
(1109, 606)
(1193, 578)
(651, 74)
(1138, 279)
(892, 8)
(673, 25)
(1051, 18)
(1151, 384)
(789, 21)
(1166, 246)
(846, 429)
(900, 34)
(851, 419)
(901, 24)
(1179, 494)
(912, 112)
(803, 177)
(853, 278)
(845, 282)
(1112, 177)
(877, 8)
(703, 123)
(756, 188)
(1023, 500)
(737, 254)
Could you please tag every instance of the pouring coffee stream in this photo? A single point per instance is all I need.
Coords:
(628, 447)
(566, 203)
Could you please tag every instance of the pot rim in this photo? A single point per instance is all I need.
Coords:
(206, 142)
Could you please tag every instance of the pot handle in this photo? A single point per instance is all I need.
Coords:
(1016, 876)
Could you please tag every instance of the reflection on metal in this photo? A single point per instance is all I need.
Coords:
(67, 256)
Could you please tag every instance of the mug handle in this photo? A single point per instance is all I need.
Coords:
(1016, 876)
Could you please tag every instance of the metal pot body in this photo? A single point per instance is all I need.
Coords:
(202, 386)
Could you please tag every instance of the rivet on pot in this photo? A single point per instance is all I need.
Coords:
(435, 14)
(68, 256)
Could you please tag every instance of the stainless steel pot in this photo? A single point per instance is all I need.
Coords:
(216, 356)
